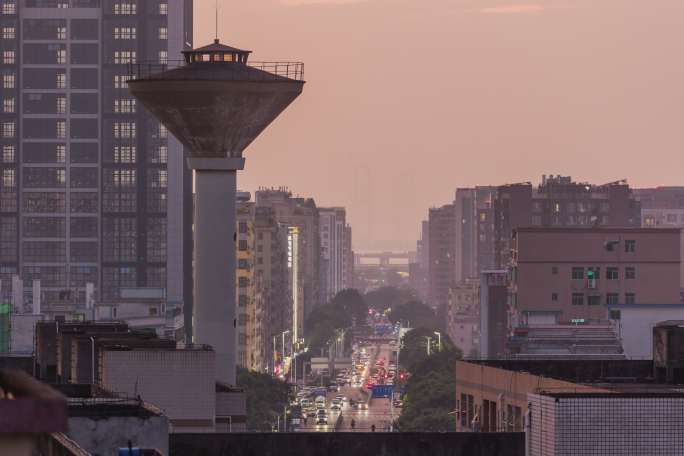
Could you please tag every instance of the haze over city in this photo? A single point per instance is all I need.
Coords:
(408, 99)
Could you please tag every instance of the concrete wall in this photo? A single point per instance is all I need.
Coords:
(345, 444)
(180, 382)
(103, 436)
(23, 332)
(656, 260)
(636, 323)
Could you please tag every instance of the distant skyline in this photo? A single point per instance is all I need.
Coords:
(408, 99)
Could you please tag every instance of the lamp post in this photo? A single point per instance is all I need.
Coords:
(439, 340)
(429, 341)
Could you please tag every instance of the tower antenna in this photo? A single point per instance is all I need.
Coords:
(217, 7)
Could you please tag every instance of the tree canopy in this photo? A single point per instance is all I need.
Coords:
(414, 347)
(386, 297)
(322, 322)
(414, 314)
(267, 397)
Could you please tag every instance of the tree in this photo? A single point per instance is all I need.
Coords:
(414, 314)
(323, 321)
(267, 398)
(414, 347)
(429, 402)
(353, 303)
(386, 297)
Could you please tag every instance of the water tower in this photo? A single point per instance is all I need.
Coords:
(216, 103)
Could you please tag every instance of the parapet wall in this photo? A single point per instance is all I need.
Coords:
(349, 443)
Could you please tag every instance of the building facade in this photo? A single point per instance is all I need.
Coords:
(442, 255)
(474, 231)
(559, 201)
(301, 217)
(93, 189)
(564, 275)
(463, 316)
(334, 255)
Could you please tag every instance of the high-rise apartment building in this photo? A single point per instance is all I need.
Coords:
(474, 231)
(92, 188)
(441, 254)
(348, 261)
(559, 201)
(334, 254)
(301, 217)
(245, 314)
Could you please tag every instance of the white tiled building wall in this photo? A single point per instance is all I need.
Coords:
(606, 426)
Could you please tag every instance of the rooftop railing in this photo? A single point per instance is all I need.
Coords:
(290, 70)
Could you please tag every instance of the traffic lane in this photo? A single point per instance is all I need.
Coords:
(378, 414)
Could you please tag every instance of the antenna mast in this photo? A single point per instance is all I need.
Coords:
(216, 31)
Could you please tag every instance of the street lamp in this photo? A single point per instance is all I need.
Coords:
(439, 340)
(429, 341)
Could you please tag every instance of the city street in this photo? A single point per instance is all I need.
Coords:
(379, 412)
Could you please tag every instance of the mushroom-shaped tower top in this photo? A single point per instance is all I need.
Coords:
(215, 102)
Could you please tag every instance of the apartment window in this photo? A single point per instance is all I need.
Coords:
(125, 33)
(163, 57)
(8, 33)
(596, 272)
(242, 300)
(163, 132)
(8, 129)
(163, 8)
(242, 227)
(630, 298)
(612, 273)
(124, 106)
(554, 270)
(594, 300)
(577, 273)
(61, 105)
(242, 245)
(8, 81)
(61, 56)
(243, 282)
(61, 80)
(124, 154)
(61, 33)
(163, 33)
(577, 299)
(124, 130)
(125, 8)
(160, 154)
(124, 57)
(158, 178)
(8, 105)
(554, 296)
(611, 299)
(630, 272)
(61, 129)
(243, 264)
(9, 8)
(630, 246)
(9, 178)
(60, 153)
(121, 81)
(8, 153)
(8, 57)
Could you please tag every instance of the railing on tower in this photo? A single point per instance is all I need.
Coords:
(290, 70)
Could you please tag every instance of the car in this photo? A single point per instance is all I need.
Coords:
(322, 419)
(333, 388)
(360, 406)
(335, 408)
(398, 404)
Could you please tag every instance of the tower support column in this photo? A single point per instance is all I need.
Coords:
(214, 319)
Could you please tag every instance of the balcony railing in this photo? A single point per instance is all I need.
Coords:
(290, 70)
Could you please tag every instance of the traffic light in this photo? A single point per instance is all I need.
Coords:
(402, 376)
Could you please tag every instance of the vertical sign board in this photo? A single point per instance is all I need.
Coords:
(5, 316)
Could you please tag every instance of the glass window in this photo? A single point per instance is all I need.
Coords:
(83, 203)
(43, 202)
(124, 57)
(125, 33)
(84, 29)
(60, 126)
(121, 81)
(124, 154)
(8, 57)
(630, 272)
(611, 299)
(8, 153)
(8, 80)
(61, 105)
(125, 7)
(159, 154)
(577, 273)
(8, 105)
(8, 33)
(630, 298)
(163, 33)
(9, 179)
(554, 296)
(612, 273)
(163, 8)
(554, 270)
(124, 130)
(243, 282)
(630, 246)
(83, 177)
(124, 105)
(8, 129)
(61, 81)
(9, 7)
(594, 300)
(243, 245)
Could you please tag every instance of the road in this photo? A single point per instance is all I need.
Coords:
(379, 412)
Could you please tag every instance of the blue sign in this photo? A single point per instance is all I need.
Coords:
(383, 390)
(130, 452)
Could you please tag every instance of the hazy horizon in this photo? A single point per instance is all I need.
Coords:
(406, 100)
